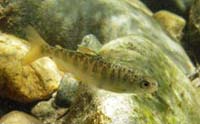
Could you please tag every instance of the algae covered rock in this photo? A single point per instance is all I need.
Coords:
(176, 100)
(25, 83)
(67, 22)
(171, 22)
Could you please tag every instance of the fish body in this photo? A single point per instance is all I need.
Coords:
(91, 69)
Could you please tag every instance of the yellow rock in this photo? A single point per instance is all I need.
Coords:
(13, 46)
(171, 22)
(28, 83)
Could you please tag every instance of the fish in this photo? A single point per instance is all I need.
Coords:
(91, 69)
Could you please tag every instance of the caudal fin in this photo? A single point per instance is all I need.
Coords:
(37, 44)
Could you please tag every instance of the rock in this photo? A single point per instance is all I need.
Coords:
(176, 100)
(89, 42)
(43, 109)
(172, 23)
(67, 91)
(13, 46)
(18, 81)
(49, 73)
(48, 112)
(17, 117)
(92, 109)
(69, 24)
(59, 22)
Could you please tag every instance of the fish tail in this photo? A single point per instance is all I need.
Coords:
(37, 45)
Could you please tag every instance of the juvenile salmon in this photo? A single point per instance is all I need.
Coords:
(91, 69)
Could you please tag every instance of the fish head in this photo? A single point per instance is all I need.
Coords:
(142, 84)
(148, 85)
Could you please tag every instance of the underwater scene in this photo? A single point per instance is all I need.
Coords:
(99, 61)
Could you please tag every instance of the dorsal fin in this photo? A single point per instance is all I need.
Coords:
(37, 44)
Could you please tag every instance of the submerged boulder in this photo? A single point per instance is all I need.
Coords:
(25, 83)
(176, 100)
(67, 22)
(172, 23)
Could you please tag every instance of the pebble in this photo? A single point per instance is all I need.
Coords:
(67, 91)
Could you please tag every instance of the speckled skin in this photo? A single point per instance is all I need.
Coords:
(98, 72)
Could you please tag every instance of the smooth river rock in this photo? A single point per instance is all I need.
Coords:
(67, 22)
(176, 100)
(17, 117)
(25, 83)
(172, 23)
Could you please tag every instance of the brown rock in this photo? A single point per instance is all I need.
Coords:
(25, 83)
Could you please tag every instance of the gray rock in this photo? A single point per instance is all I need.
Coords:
(67, 91)
(43, 109)
(48, 112)
(89, 42)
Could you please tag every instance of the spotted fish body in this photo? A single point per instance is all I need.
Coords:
(92, 69)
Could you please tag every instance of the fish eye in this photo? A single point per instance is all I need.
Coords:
(144, 84)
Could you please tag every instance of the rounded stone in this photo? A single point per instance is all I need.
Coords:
(17, 117)
(171, 22)
(25, 83)
(67, 91)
